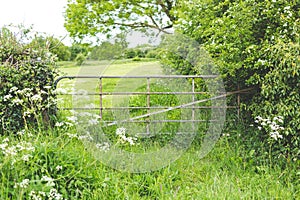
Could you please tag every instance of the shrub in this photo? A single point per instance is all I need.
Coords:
(256, 45)
(26, 73)
(80, 58)
(136, 59)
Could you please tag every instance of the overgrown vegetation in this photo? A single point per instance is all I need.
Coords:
(253, 43)
(27, 72)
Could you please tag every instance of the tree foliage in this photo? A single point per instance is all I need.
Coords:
(90, 17)
(77, 49)
(54, 45)
(110, 50)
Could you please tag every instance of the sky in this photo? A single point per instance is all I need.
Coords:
(46, 16)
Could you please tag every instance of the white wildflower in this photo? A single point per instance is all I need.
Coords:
(120, 131)
(26, 91)
(27, 114)
(130, 140)
(53, 194)
(37, 196)
(7, 97)
(22, 184)
(49, 180)
(5, 140)
(42, 193)
(47, 87)
(20, 133)
(58, 167)
(13, 89)
(10, 151)
(259, 118)
(25, 146)
(70, 135)
(259, 127)
(275, 135)
(59, 124)
(103, 147)
(26, 157)
(3, 146)
(274, 126)
(226, 135)
(36, 97)
(43, 92)
(72, 119)
(17, 101)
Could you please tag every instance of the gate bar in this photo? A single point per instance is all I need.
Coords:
(180, 106)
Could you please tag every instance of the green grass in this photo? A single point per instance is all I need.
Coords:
(223, 174)
(229, 171)
(108, 68)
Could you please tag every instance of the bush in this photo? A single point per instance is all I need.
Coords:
(136, 59)
(130, 53)
(255, 45)
(280, 96)
(80, 58)
(27, 73)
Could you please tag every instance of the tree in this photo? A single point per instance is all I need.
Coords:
(106, 51)
(109, 50)
(54, 45)
(77, 49)
(90, 17)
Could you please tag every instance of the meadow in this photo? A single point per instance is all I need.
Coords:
(53, 163)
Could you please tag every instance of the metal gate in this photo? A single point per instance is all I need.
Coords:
(192, 93)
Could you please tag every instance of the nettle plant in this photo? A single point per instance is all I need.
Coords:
(27, 72)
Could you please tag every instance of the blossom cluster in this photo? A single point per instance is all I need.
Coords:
(30, 101)
(121, 133)
(272, 127)
(20, 151)
(53, 194)
(105, 146)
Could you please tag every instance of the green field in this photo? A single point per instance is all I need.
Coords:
(229, 171)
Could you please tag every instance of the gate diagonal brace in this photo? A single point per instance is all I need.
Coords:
(177, 107)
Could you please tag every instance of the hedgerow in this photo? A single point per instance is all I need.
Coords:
(255, 44)
(27, 72)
